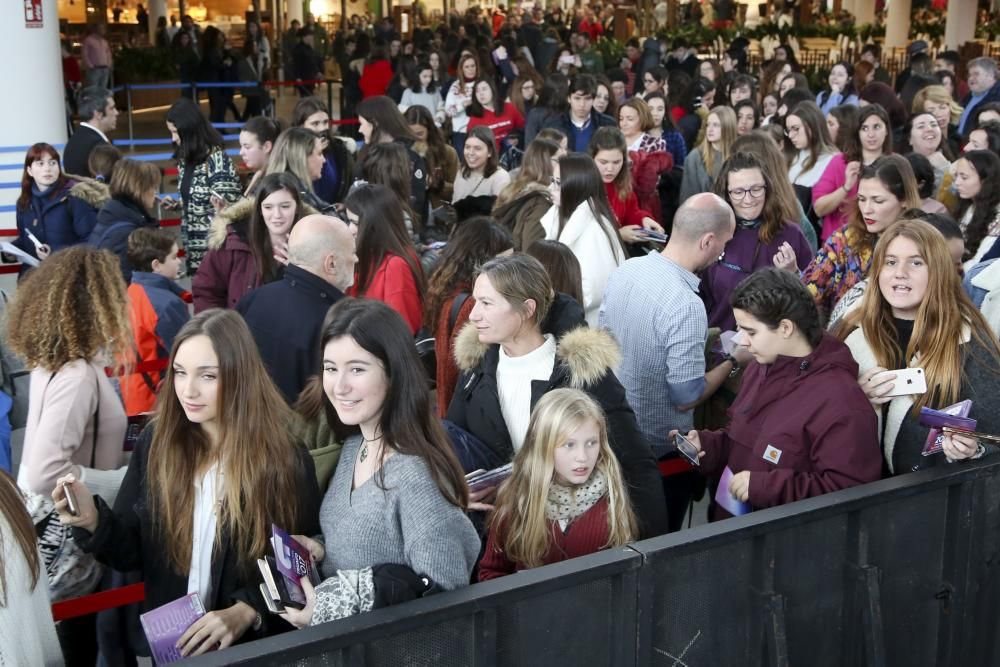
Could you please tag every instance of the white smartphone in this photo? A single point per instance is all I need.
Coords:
(908, 381)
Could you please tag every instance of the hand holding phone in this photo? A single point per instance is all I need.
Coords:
(689, 447)
(71, 505)
(906, 382)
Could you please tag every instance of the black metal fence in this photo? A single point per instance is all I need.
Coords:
(899, 572)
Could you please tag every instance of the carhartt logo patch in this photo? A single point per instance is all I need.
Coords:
(772, 454)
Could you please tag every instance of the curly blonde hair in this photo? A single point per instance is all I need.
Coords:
(71, 307)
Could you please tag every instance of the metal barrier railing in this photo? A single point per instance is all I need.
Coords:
(905, 571)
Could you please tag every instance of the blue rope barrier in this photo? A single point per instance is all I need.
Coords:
(12, 166)
(10, 185)
(24, 149)
(12, 208)
(161, 142)
(227, 125)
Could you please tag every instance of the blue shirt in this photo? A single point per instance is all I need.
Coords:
(651, 306)
(580, 136)
(973, 101)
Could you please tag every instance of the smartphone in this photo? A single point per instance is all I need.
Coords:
(71, 503)
(909, 381)
(687, 449)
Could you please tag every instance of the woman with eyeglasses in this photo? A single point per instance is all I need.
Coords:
(766, 235)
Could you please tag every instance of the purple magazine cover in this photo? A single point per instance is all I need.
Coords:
(293, 562)
(165, 625)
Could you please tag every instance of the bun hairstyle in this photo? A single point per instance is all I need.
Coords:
(267, 129)
(771, 295)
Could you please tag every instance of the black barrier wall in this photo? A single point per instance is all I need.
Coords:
(899, 572)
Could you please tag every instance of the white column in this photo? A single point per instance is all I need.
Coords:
(294, 13)
(960, 25)
(897, 31)
(156, 8)
(34, 82)
(864, 11)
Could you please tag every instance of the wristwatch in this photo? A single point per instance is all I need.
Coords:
(736, 365)
(258, 621)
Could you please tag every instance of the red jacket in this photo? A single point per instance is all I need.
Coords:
(586, 535)
(594, 29)
(394, 285)
(627, 211)
(797, 448)
(375, 78)
(646, 170)
(508, 119)
(444, 345)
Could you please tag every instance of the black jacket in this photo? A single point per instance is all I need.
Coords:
(584, 360)
(115, 221)
(285, 318)
(126, 540)
(562, 122)
(78, 148)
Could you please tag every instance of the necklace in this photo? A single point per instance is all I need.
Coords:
(364, 445)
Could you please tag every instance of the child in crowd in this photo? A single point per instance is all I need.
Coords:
(157, 310)
(566, 496)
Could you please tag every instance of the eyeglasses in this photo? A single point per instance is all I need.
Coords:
(755, 192)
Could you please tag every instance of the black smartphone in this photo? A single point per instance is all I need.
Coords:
(71, 504)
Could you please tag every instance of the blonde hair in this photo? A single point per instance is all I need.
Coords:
(944, 314)
(937, 95)
(73, 306)
(291, 153)
(520, 517)
(727, 119)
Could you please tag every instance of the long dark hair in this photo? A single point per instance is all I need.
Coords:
(987, 166)
(555, 93)
(258, 235)
(852, 144)
(562, 265)
(253, 422)
(413, 77)
(772, 215)
(848, 87)
(580, 182)
(485, 135)
(386, 119)
(381, 232)
(474, 242)
(406, 422)
(36, 152)
(306, 107)
(437, 151)
(476, 110)
(198, 137)
(771, 295)
(612, 139)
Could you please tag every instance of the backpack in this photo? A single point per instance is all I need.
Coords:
(100, 241)
(425, 342)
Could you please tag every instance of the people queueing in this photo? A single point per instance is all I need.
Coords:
(606, 256)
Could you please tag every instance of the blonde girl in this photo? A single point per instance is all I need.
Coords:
(566, 496)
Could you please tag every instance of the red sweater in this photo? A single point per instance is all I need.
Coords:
(394, 285)
(508, 119)
(586, 535)
(626, 212)
(375, 78)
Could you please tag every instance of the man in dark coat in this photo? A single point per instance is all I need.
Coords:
(286, 316)
(581, 121)
(96, 105)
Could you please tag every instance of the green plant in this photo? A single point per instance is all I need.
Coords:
(140, 65)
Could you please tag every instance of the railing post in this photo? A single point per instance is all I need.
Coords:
(329, 96)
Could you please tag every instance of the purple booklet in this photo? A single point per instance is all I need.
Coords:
(955, 416)
(165, 625)
(293, 562)
(726, 500)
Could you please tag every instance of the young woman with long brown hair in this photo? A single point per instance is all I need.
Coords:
(521, 204)
(207, 479)
(919, 316)
(449, 292)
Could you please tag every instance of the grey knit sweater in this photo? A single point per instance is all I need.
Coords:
(408, 523)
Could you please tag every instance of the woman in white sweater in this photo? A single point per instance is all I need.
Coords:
(423, 91)
(69, 320)
(582, 219)
(27, 634)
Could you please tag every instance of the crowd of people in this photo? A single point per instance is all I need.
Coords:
(628, 281)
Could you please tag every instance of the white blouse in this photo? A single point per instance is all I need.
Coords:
(207, 497)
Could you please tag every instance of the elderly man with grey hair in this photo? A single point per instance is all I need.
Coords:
(983, 88)
(652, 307)
(286, 316)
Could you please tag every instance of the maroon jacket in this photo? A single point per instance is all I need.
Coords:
(586, 535)
(811, 416)
(226, 274)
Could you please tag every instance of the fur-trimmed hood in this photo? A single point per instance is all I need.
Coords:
(587, 354)
(92, 192)
(238, 213)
